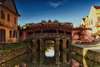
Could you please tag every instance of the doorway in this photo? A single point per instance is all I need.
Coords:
(2, 35)
(50, 51)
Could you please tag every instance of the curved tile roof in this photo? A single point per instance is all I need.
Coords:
(10, 5)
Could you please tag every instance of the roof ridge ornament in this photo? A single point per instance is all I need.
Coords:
(49, 21)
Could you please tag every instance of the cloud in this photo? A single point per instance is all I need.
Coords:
(55, 4)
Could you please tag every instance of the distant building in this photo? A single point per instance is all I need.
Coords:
(93, 20)
(82, 35)
(85, 22)
(8, 21)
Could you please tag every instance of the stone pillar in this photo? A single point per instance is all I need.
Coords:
(57, 50)
(41, 51)
(69, 48)
(64, 50)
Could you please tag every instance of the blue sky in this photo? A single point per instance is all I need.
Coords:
(62, 10)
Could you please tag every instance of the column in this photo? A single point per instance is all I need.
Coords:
(57, 49)
(34, 52)
(69, 50)
(64, 51)
(41, 51)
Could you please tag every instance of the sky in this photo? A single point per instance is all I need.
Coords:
(33, 11)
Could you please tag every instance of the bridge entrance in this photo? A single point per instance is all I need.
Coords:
(49, 51)
(49, 48)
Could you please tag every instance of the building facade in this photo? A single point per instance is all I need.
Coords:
(8, 21)
(85, 22)
(93, 20)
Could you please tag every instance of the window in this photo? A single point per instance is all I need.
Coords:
(14, 33)
(15, 20)
(10, 34)
(8, 17)
(91, 22)
(98, 19)
(2, 15)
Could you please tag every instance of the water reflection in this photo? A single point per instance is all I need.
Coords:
(21, 65)
(50, 52)
(17, 65)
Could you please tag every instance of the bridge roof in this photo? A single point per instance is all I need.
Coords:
(54, 25)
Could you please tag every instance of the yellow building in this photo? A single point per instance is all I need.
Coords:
(93, 20)
(8, 21)
(85, 22)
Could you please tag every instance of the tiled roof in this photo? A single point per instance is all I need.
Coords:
(80, 28)
(50, 25)
(10, 4)
(97, 7)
